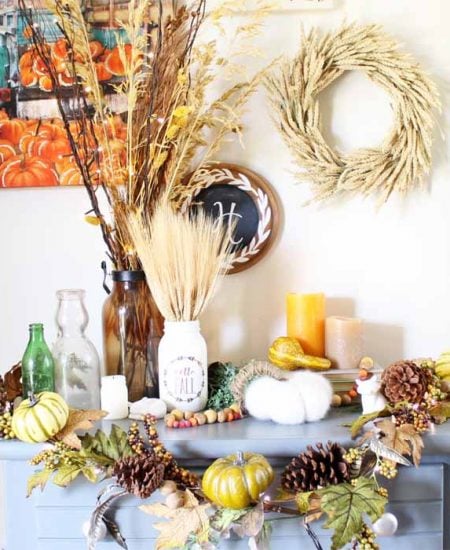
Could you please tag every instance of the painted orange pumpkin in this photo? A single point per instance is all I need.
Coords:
(20, 171)
(45, 84)
(96, 49)
(50, 144)
(71, 176)
(12, 130)
(39, 66)
(66, 79)
(102, 72)
(6, 150)
(59, 49)
(28, 77)
(114, 62)
(26, 61)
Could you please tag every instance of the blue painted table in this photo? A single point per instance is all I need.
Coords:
(52, 520)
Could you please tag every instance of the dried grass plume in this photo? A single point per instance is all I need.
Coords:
(182, 257)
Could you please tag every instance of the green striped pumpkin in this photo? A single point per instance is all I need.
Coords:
(41, 417)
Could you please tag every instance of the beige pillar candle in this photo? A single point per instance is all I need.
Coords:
(344, 341)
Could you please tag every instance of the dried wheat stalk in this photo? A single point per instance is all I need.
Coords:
(182, 257)
(403, 158)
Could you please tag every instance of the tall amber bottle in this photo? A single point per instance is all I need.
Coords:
(132, 329)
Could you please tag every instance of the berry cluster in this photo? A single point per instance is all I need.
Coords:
(387, 468)
(353, 455)
(172, 471)
(59, 455)
(6, 431)
(382, 491)
(417, 415)
(366, 539)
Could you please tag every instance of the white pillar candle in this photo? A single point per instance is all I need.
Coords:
(344, 344)
(114, 397)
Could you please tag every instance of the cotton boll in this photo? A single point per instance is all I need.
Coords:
(258, 397)
(287, 406)
(315, 391)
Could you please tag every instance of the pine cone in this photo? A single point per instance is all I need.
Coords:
(405, 381)
(316, 468)
(5, 405)
(140, 475)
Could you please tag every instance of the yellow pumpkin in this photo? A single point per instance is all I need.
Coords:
(40, 417)
(237, 480)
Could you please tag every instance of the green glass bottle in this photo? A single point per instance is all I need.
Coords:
(38, 367)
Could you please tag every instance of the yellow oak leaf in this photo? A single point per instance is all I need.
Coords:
(78, 420)
(190, 518)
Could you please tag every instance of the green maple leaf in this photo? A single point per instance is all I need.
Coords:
(346, 504)
(112, 447)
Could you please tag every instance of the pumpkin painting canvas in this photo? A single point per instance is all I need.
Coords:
(34, 146)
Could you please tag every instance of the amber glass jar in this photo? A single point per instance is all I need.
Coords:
(132, 329)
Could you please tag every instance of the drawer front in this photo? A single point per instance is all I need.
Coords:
(54, 517)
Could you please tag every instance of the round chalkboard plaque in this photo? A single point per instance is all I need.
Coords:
(243, 200)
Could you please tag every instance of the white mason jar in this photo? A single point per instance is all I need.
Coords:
(183, 366)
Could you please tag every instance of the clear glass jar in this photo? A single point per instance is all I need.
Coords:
(183, 366)
(77, 365)
(132, 329)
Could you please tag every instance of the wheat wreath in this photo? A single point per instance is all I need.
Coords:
(403, 158)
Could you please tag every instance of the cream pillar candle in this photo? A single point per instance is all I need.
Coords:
(344, 341)
(114, 397)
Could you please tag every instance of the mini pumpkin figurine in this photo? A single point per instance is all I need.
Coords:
(40, 417)
(237, 480)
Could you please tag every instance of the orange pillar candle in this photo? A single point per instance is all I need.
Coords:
(306, 321)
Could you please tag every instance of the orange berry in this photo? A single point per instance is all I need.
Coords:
(193, 421)
(352, 393)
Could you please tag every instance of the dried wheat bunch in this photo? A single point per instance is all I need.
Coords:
(182, 257)
(403, 158)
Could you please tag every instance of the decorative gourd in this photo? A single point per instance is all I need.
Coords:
(20, 171)
(237, 480)
(287, 353)
(40, 417)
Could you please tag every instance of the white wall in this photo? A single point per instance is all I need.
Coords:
(390, 266)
